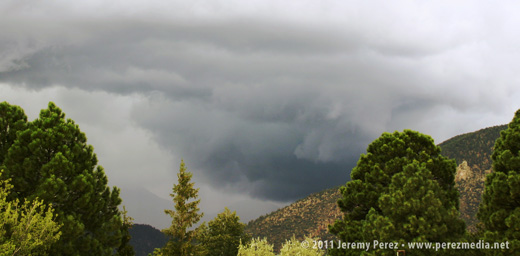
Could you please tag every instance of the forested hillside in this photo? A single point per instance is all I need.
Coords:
(475, 147)
(311, 215)
(472, 151)
(308, 216)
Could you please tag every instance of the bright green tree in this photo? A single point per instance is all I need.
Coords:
(12, 120)
(26, 228)
(499, 210)
(257, 247)
(156, 252)
(184, 216)
(379, 200)
(51, 160)
(307, 247)
(223, 234)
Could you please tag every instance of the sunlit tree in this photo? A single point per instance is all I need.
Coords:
(184, 215)
(26, 228)
(306, 247)
(223, 234)
(256, 247)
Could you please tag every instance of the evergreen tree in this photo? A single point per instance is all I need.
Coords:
(156, 252)
(186, 214)
(412, 211)
(12, 120)
(304, 248)
(257, 247)
(26, 228)
(499, 210)
(125, 249)
(51, 160)
(223, 234)
(379, 202)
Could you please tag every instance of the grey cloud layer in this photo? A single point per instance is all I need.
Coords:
(273, 106)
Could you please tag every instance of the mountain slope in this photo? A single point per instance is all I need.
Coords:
(475, 147)
(472, 151)
(313, 214)
(307, 216)
(146, 238)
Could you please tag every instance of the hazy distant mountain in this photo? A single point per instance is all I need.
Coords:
(145, 207)
(146, 238)
(312, 214)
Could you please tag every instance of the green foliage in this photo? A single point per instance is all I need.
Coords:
(223, 234)
(301, 248)
(186, 214)
(261, 247)
(257, 247)
(26, 228)
(412, 211)
(51, 160)
(156, 252)
(383, 200)
(499, 211)
(506, 156)
(12, 120)
(125, 248)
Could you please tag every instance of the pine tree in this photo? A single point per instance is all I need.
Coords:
(380, 202)
(125, 249)
(12, 120)
(412, 211)
(223, 234)
(51, 160)
(499, 210)
(186, 214)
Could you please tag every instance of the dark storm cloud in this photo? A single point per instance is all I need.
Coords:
(273, 103)
(276, 150)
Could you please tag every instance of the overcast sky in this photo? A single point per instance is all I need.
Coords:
(266, 101)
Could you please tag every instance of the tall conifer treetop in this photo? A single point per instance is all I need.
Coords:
(184, 216)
